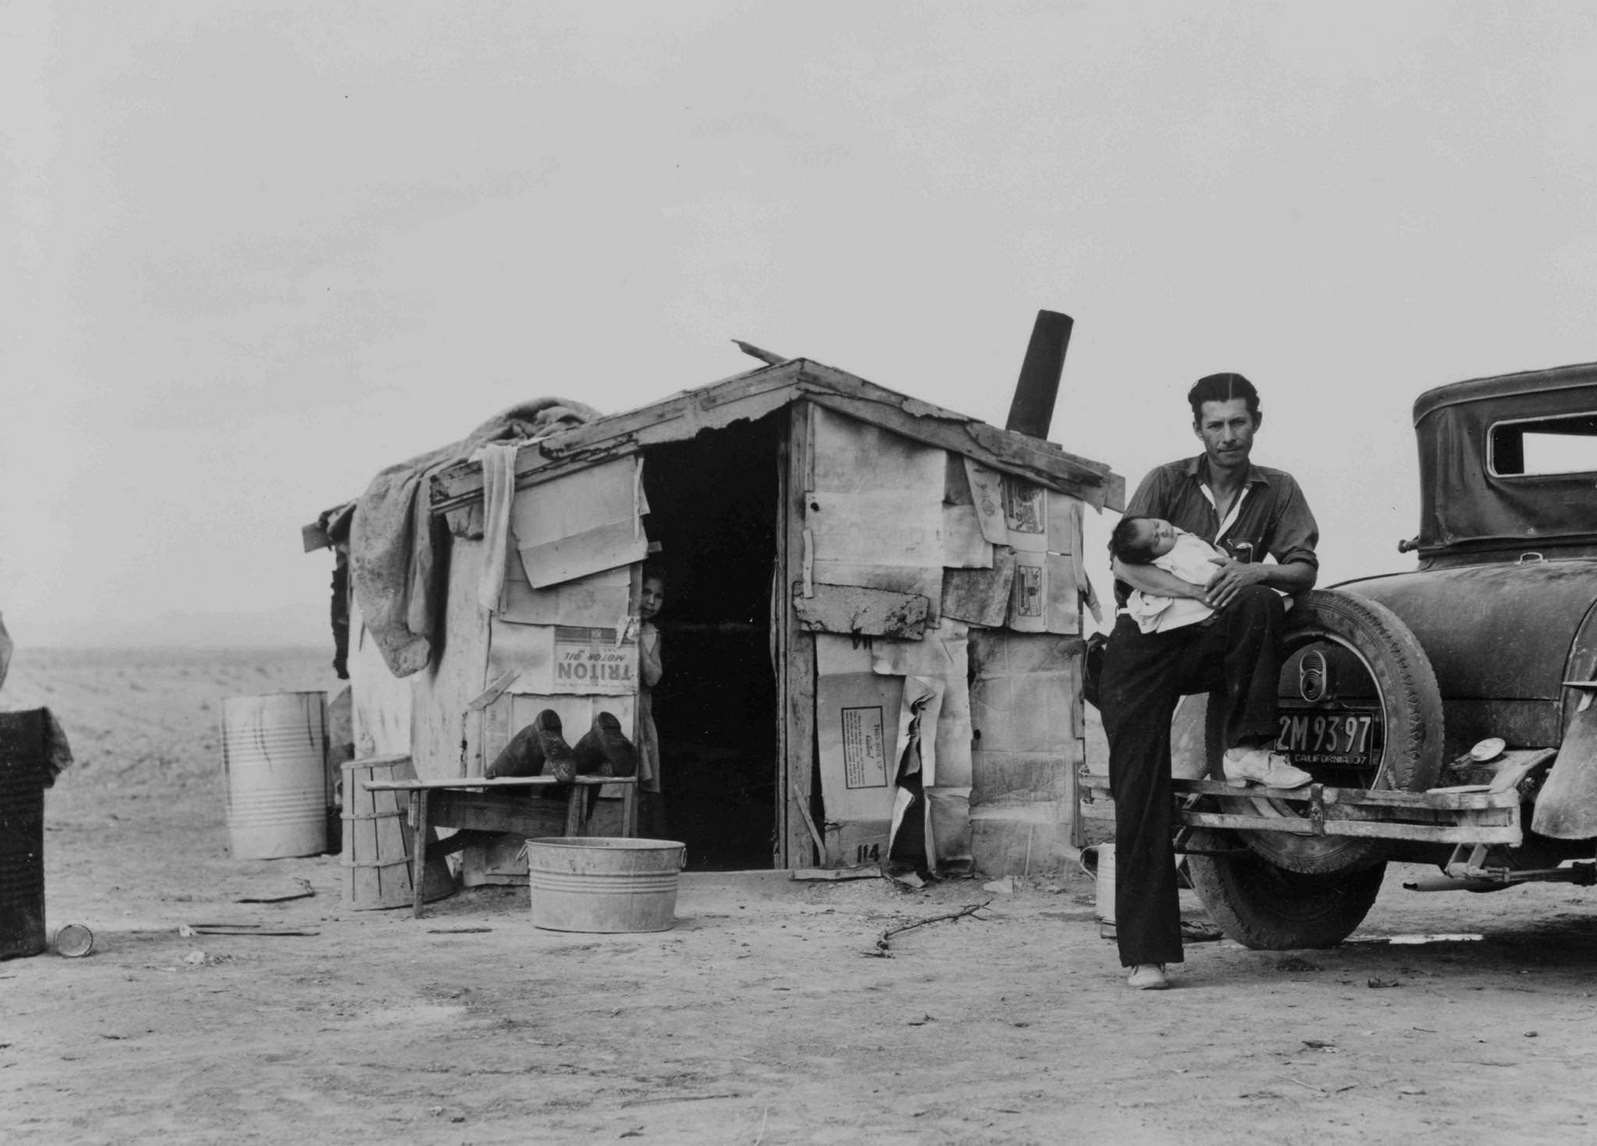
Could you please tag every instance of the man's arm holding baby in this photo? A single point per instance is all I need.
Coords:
(1291, 577)
(1155, 581)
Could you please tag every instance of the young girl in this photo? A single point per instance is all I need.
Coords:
(651, 810)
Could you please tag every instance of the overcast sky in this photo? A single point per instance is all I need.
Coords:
(257, 251)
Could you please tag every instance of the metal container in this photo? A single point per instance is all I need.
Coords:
(74, 940)
(274, 752)
(1104, 901)
(22, 784)
(604, 884)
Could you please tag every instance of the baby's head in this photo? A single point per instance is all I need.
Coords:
(1138, 540)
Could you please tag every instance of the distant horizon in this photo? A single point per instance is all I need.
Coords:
(260, 259)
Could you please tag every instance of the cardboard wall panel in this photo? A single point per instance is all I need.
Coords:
(1045, 533)
(965, 545)
(1026, 710)
(981, 596)
(875, 511)
(856, 721)
(569, 659)
(581, 523)
(599, 599)
(941, 656)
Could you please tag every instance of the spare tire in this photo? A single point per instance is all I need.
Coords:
(1351, 665)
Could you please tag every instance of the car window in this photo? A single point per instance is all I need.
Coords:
(1537, 447)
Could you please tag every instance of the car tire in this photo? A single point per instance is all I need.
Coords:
(1268, 908)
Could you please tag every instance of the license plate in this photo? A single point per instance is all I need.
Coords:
(1336, 738)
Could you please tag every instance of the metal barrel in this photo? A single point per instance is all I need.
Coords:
(22, 784)
(274, 752)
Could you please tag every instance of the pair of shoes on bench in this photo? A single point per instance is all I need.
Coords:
(541, 749)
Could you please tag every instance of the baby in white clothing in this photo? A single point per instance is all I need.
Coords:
(1154, 541)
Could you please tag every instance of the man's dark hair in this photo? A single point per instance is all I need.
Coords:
(1125, 546)
(1222, 388)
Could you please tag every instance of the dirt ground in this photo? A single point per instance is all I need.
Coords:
(769, 1014)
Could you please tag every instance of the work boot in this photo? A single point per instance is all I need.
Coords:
(558, 759)
(523, 756)
(1244, 766)
(537, 750)
(604, 750)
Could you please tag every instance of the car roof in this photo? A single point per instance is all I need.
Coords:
(1504, 386)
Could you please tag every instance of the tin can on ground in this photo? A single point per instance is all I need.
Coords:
(73, 940)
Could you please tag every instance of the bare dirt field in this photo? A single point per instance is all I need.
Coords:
(769, 1014)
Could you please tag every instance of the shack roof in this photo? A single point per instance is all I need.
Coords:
(760, 392)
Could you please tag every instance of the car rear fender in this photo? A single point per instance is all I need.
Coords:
(1566, 805)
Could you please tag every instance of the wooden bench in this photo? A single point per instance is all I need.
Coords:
(503, 804)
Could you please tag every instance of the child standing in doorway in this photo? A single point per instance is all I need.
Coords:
(651, 808)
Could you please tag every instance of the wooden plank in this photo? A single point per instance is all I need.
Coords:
(499, 812)
(314, 537)
(469, 783)
(1436, 800)
(858, 611)
(418, 855)
(795, 652)
(1366, 829)
(1489, 824)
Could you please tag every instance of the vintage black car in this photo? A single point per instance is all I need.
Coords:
(1446, 712)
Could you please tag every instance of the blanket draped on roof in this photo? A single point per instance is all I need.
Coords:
(391, 539)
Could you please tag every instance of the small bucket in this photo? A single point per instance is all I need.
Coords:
(604, 883)
(1105, 888)
(274, 751)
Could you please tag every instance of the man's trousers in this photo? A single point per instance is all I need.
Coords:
(1237, 653)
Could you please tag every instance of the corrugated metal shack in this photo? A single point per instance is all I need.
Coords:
(872, 632)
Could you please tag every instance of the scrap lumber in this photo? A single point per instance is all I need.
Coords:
(854, 610)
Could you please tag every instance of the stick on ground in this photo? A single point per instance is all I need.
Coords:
(883, 944)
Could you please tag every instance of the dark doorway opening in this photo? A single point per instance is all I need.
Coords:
(713, 509)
